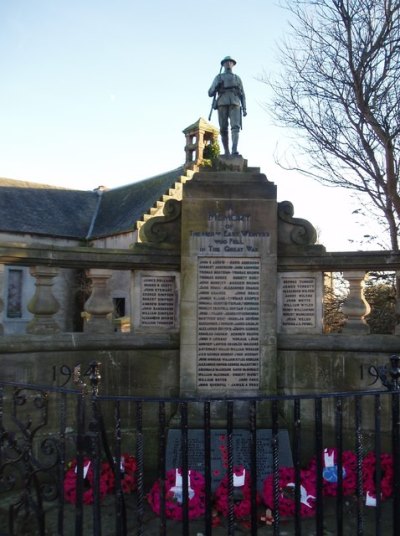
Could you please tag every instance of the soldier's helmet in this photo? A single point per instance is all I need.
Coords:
(228, 58)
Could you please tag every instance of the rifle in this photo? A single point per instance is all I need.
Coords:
(214, 98)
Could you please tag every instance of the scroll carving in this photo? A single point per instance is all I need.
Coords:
(294, 231)
(163, 229)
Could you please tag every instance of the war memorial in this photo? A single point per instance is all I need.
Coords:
(216, 402)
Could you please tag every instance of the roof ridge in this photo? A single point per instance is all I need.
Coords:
(20, 183)
(95, 213)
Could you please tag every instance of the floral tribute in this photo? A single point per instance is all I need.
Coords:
(369, 476)
(174, 495)
(330, 471)
(128, 467)
(70, 481)
(241, 494)
(287, 505)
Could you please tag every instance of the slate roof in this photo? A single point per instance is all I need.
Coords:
(121, 207)
(44, 210)
(27, 207)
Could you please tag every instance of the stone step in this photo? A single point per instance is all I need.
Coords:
(173, 193)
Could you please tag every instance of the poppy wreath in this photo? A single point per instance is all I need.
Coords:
(241, 495)
(173, 495)
(369, 475)
(287, 505)
(128, 467)
(330, 471)
(70, 481)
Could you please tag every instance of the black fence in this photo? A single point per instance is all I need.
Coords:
(74, 461)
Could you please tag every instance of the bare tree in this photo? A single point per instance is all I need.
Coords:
(340, 88)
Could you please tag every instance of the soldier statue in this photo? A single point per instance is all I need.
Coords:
(230, 101)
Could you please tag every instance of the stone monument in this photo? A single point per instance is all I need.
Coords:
(228, 283)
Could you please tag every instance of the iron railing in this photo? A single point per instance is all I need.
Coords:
(43, 428)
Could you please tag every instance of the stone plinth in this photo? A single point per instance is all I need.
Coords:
(228, 284)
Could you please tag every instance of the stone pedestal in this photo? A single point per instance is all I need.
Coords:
(228, 284)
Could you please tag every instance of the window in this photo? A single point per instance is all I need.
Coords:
(14, 293)
(119, 307)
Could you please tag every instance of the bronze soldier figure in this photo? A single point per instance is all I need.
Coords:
(230, 101)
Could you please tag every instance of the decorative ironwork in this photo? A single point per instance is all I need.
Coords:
(92, 372)
(28, 463)
(32, 457)
(95, 377)
(388, 374)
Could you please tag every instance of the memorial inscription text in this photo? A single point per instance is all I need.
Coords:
(298, 302)
(228, 317)
(158, 301)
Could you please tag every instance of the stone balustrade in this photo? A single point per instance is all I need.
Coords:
(98, 308)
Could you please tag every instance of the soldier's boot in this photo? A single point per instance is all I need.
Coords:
(225, 144)
(235, 140)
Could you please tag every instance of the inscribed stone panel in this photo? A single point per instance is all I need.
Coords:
(300, 302)
(228, 319)
(156, 293)
(241, 444)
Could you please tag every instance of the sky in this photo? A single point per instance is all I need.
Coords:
(98, 92)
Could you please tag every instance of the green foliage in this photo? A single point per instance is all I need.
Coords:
(210, 154)
(381, 297)
(334, 295)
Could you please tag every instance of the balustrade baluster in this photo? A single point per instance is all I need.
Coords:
(99, 306)
(43, 304)
(355, 307)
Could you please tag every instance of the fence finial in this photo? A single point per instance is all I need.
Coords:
(94, 376)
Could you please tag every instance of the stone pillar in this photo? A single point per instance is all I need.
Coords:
(43, 305)
(99, 306)
(1, 298)
(355, 307)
